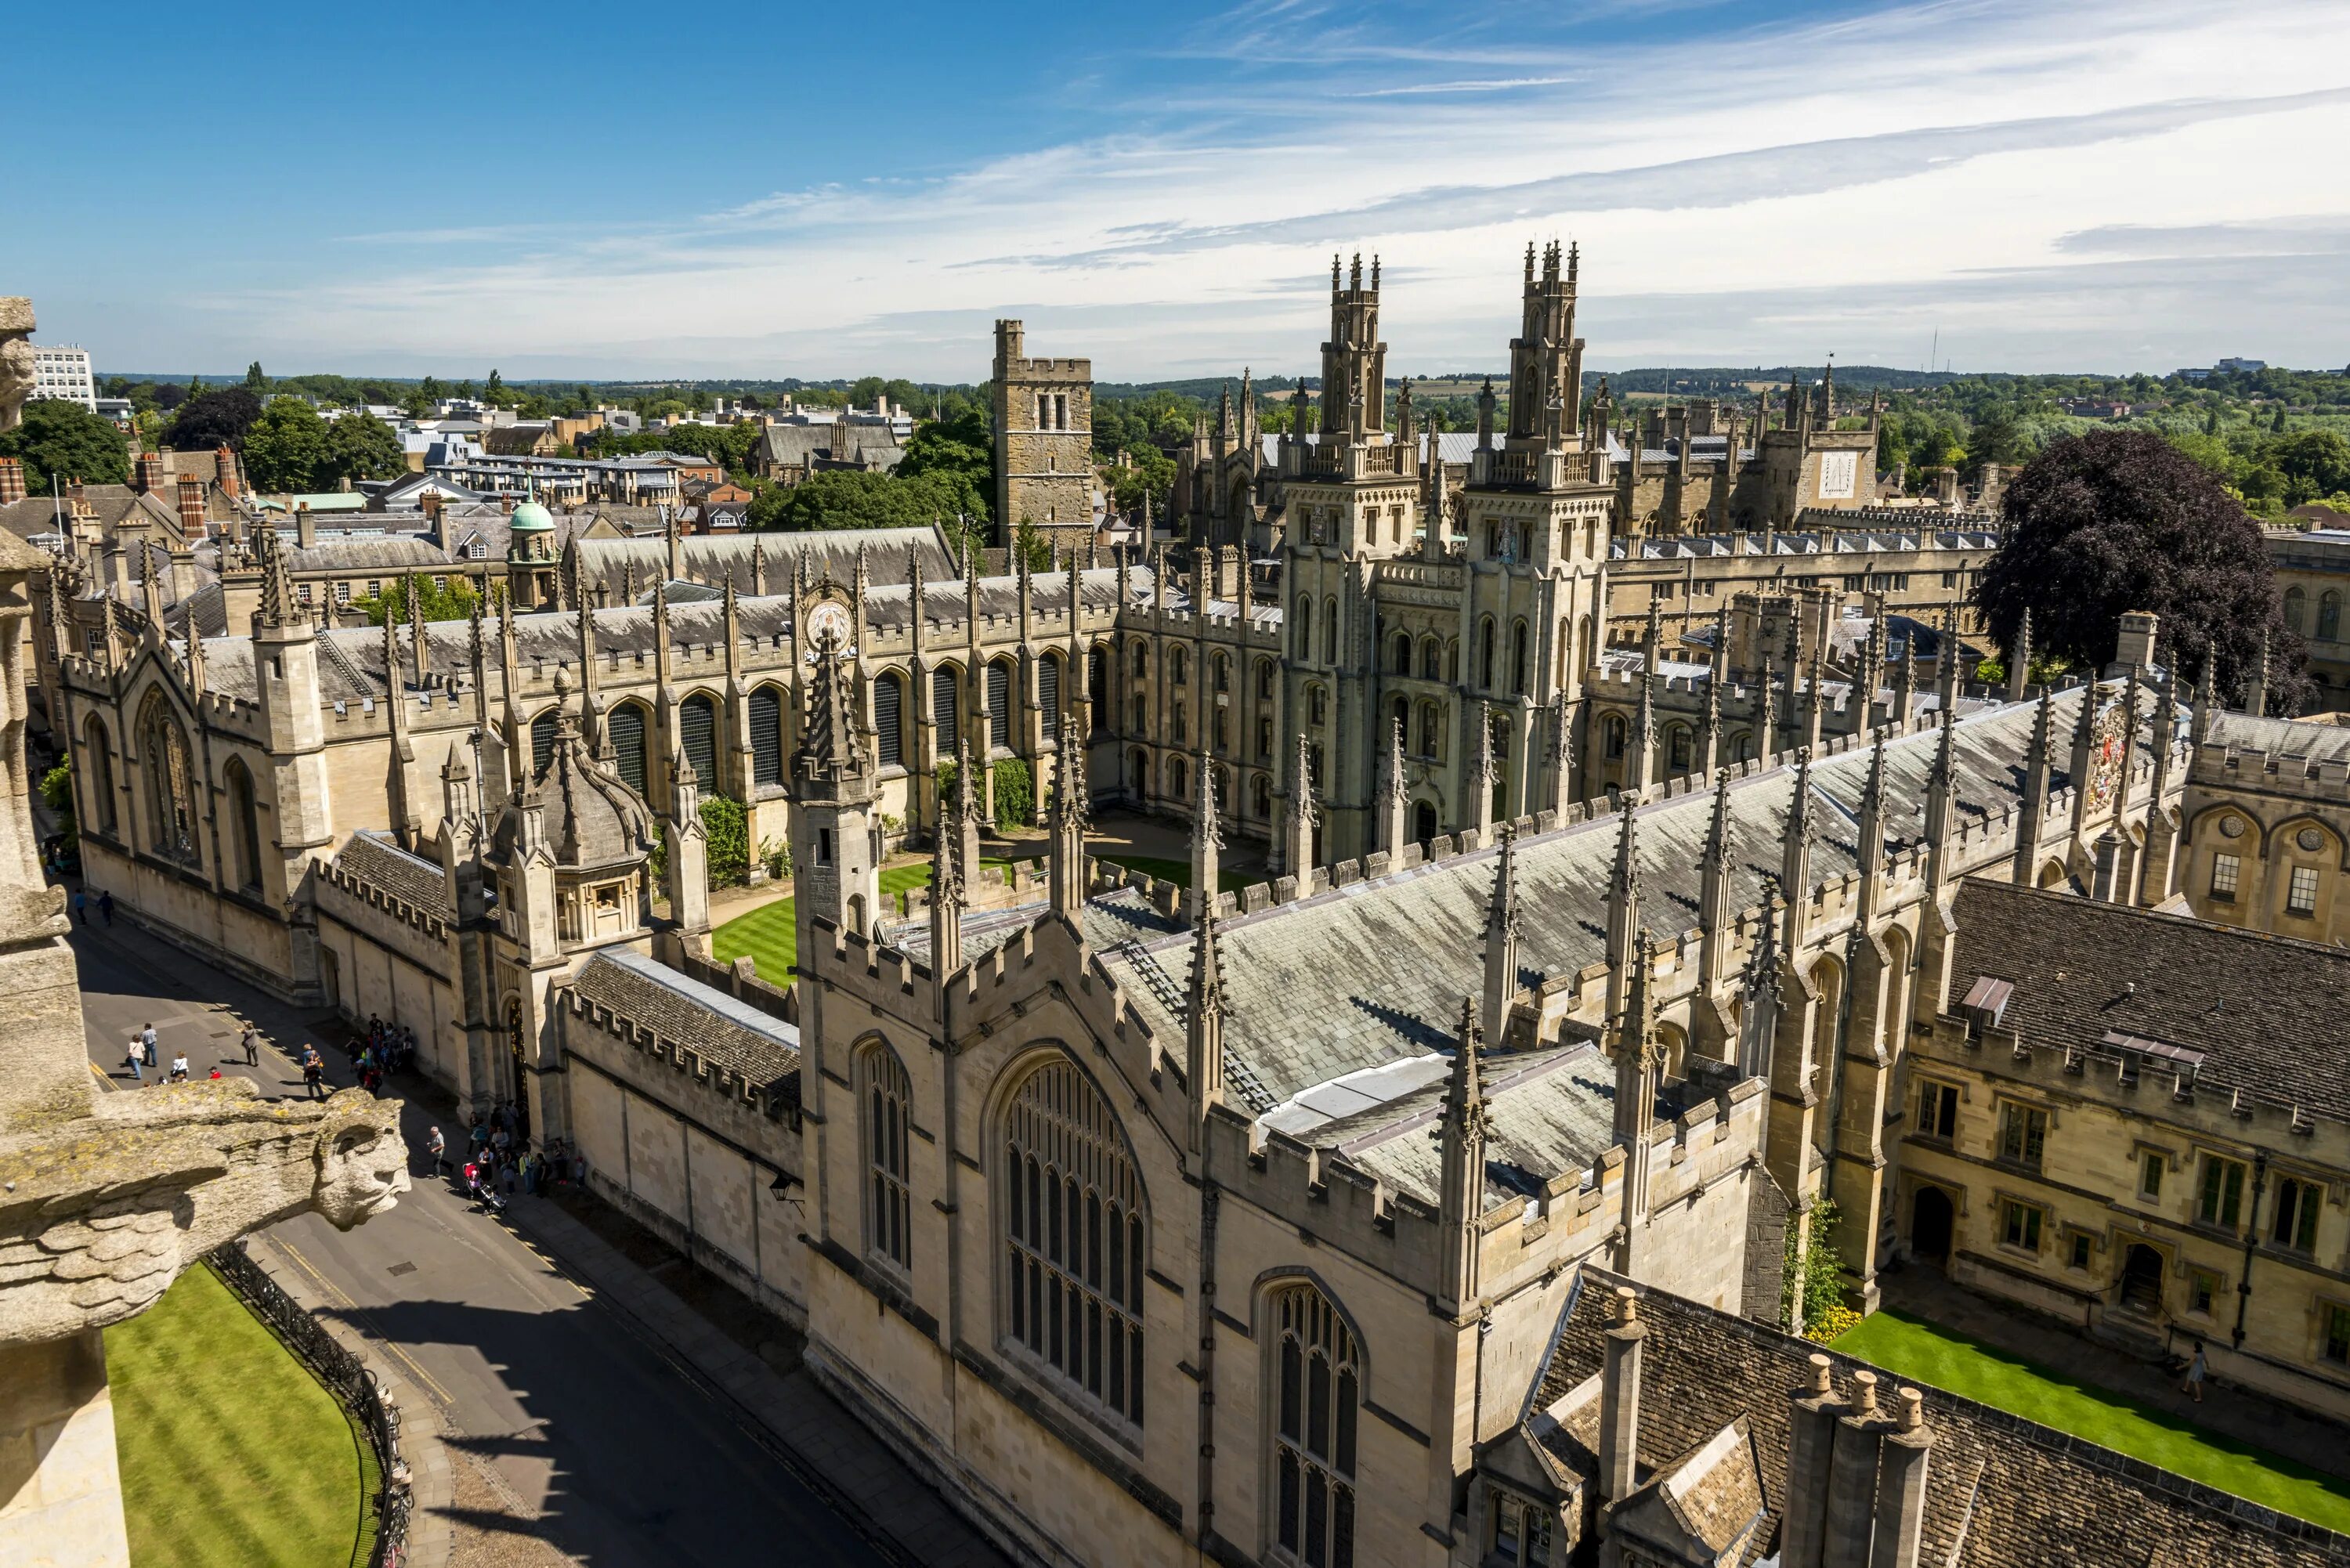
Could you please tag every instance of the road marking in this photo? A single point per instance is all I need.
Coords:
(337, 1298)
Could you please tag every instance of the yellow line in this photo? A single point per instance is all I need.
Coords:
(334, 1295)
(421, 1375)
(339, 1299)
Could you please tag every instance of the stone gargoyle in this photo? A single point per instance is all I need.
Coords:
(17, 360)
(98, 1214)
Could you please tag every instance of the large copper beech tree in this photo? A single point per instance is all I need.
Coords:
(2114, 521)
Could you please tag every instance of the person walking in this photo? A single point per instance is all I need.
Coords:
(251, 1043)
(105, 908)
(2197, 1370)
(437, 1147)
(82, 906)
(147, 1042)
(314, 1071)
(136, 1055)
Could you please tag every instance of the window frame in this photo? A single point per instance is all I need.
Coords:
(1945, 1099)
(1315, 1379)
(2020, 1216)
(885, 1096)
(2023, 1134)
(2227, 876)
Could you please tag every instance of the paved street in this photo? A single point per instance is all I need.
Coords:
(592, 1439)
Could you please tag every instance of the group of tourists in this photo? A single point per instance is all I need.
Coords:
(499, 1159)
(383, 1050)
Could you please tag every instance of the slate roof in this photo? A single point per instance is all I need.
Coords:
(2271, 1014)
(722, 557)
(2001, 1491)
(365, 553)
(724, 1032)
(2283, 737)
(110, 504)
(376, 860)
(1375, 971)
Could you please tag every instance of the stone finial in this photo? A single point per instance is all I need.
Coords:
(1817, 1369)
(1864, 1394)
(1913, 1409)
(1627, 1304)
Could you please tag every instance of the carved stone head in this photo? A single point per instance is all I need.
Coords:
(17, 359)
(362, 1165)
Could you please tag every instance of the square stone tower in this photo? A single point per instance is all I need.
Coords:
(1044, 441)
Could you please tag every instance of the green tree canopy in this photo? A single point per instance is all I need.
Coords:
(254, 381)
(841, 498)
(357, 446)
(2122, 520)
(64, 441)
(455, 602)
(286, 447)
(962, 450)
(213, 417)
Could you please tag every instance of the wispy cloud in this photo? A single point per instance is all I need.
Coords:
(1734, 180)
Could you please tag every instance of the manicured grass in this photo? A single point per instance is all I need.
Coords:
(231, 1452)
(769, 935)
(1915, 1349)
(1176, 871)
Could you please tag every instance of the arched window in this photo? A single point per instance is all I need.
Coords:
(1264, 737)
(1316, 1375)
(1224, 673)
(1264, 680)
(946, 707)
(883, 1088)
(1318, 704)
(1176, 779)
(1485, 654)
(2329, 615)
(1431, 731)
(1402, 663)
(1138, 772)
(1048, 694)
(1178, 667)
(244, 824)
(888, 725)
(625, 729)
(1260, 797)
(1741, 747)
(1518, 660)
(2296, 611)
(170, 781)
(1141, 707)
(1142, 659)
(1179, 724)
(541, 742)
(1677, 748)
(1431, 658)
(998, 705)
(1330, 632)
(100, 753)
(1097, 686)
(1305, 626)
(1616, 731)
(1074, 1244)
(697, 733)
(1220, 728)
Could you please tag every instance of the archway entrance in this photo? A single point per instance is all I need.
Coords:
(2142, 1280)
(1929, 1225)
(1423, 821)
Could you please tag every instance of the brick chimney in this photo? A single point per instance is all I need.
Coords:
(429, 504)
(191, 507)
(306, 527)
(12, 480)
(231, 484)
(147, 473)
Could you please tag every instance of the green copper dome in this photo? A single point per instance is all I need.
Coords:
(531, 517)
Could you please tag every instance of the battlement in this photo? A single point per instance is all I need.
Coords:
(724, 1082)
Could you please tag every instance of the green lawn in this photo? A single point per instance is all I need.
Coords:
(231, 1452)
(1912, 1348)
(1176, 871)
(769, 935)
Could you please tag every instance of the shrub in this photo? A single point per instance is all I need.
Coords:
(775, 855)
(726, 827)
(1016, 791)
(1815, 1269)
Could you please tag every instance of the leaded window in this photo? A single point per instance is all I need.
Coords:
(1074, 1237)
(888, 720)
(1318, 1376)
(998, 705)
(541, 742)
(1048, 695)
(625, 731)
(888, 1190)
(946, 708)
(766, 736)
(170, 781)
(697, 731)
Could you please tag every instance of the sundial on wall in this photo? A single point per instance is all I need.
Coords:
(827, 621)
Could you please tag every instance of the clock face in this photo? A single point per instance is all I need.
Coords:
(828, 621)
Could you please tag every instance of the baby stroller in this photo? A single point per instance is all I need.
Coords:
(479, 1188)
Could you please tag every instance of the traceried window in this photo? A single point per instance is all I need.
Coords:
(884, 1090)
(1521, 1532)
(888, 725)
(697, 730)
(99, 751)
(1317, 1379)
(766, 716)
(171, 781)
(624, 731)
(1074, 1240)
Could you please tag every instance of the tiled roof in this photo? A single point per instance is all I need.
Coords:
(2283, 737)
(2270, 1014)
(2000, 1492)
(723, 1032)
(379, 862)
(1375, 971)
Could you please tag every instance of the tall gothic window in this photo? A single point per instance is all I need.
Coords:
(244, 823)
(100, 753)
(1305, 626)
(624, 731)
(1074, 1240)
(1317, 1375)
(1048, 694)
(1098, 689)
(945, 713)
(889, 1205)
(541, 742)
(888, 725)
(998, 705)
(170, 781)
(697, 731)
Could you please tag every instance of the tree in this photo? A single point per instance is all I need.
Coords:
(357, 446)
(64, 441)
(2277, 425)
(213, 417)
(495, 385)
(455, 602)
(254, 381)
(844, 498)
(962, 448)
(2122, 520)
(286, 446)
(2313, 463)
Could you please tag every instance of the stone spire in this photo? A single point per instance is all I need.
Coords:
(2019, 659)
(1297, 826)
(1203, 1016)
(1461, 1187)
(1872, 810)
(1942, 800)
(2034, 809)
(1395, 800)
(278, 608)
(1758, 1022)
(1947, 672)
(1623, 899)
(1643, 749)
(1207, 839)
(2256, 691)
(1433, 504)
(1713, 894)
(1501, 938)
(1562, 756)
(1796, 860)
(1067, 820)
(1483, 770)
(1637, 1069)
(947, 904)
(829, 749)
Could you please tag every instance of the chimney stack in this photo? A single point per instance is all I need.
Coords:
(12, 480)
(1619, 1401)
(147, 473)
(1901, 1486)
(232, 484)
(306, 527)
(1811, 1438)
(1851, 1478)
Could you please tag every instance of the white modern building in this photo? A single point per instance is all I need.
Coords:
(64, 373)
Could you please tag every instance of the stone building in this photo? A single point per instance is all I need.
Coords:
(2313, 582)
(2134, 1122)
(2263, 844)
(1044, 412)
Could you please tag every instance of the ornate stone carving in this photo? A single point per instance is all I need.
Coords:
(17, 362)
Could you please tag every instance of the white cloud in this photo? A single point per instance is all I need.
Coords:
(2048, 185)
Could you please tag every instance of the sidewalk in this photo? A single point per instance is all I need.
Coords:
(2252, 1420)
(822, 1443)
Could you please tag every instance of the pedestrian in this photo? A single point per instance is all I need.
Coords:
(479, 1137)
(134, 1057)
(314, 1071)
(437, 1147)
(216, 1070)
(180, 1067)
(2197, 1370)
(147, 1042)
(251, 1046)
(105, 908)
(506, 1177)
(82, 906)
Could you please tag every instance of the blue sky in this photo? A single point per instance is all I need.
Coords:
(830, 190)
